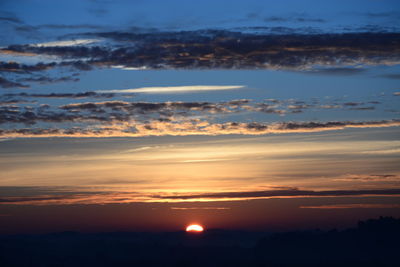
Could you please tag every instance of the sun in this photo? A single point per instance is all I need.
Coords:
(195, 228)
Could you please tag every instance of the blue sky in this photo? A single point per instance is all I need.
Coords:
(177, 12)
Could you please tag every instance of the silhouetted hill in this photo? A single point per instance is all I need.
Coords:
(373, 243)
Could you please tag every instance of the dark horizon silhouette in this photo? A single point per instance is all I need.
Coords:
(373, 242)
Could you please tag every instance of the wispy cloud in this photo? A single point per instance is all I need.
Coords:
(62, 95)
(369, 178)
(353, 206)
(200, 208)
(66, 43)
(175, 89)
(394, 76)
(11, 84)
(338, 71)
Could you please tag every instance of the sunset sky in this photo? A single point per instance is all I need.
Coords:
(151, 115)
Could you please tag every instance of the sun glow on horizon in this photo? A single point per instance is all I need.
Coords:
(194, 228)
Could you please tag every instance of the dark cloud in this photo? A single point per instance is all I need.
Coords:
(276, 19)
(363, 108)
(12, 102)
(336, 71)
(352, 104)
(266, 108)
(300, 19)
(149, 113)
(395, 76)
(70, 26)
(26, 28)
(10, 84)
(385, 15)
(115, 124)
(109, 111)
(163, 108)
(228, 49)
(12, 19)
(64, 95)
(50, 196)
(282, 193)
(45, 80)
(18, 68)
(11, 114)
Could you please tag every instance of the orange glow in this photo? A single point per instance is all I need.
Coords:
(194, 228)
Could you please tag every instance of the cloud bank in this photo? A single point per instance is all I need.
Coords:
(191, 127)
(72, 198)
(223, 49)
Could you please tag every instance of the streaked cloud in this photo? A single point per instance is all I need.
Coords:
(66, 43)
(73, 198)
(175, 89)
(62, 95)
(11, 84)
(353, 206)
(200, 208)
(370, 177)
(339, 71)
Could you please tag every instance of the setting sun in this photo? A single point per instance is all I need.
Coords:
(194, 228)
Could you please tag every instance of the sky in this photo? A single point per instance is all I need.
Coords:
(150, 115)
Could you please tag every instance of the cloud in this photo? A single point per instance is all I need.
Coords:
(46, 80)
(199, 208)
(353, 206)
(12, 102)
(63, 95)
(66, 43)
(342, 54)
(16, 67)
(162, 118)
(389, 14)
(175, 89)
(10, 84)
(298, 19)
(362, 108)
(10, 19)
(11, 114)
(121, 127)
(280, 194)
(70, 26)
(336, 71)
(369, 178)
(394, 76)
(162, 108)
(100, 197)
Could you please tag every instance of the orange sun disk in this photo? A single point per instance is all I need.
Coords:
(194, 228)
